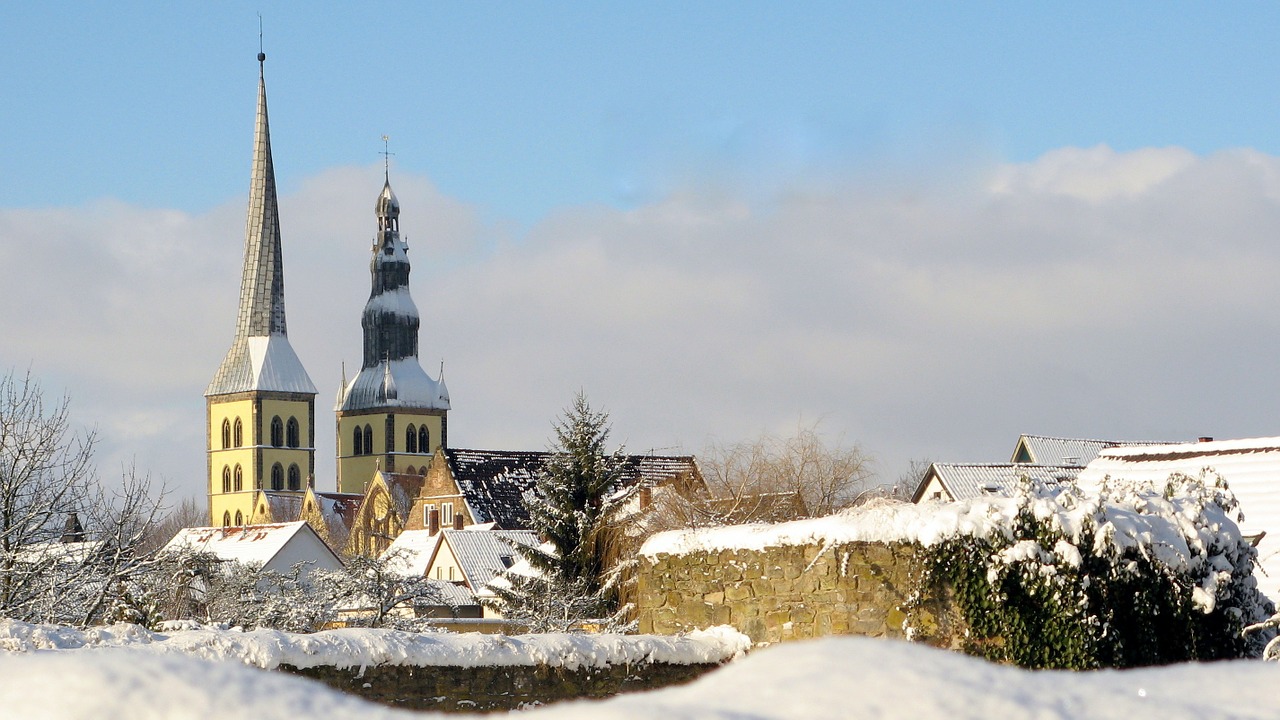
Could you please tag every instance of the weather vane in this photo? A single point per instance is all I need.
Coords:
(386, 154)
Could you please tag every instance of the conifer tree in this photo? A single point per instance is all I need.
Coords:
(575, 509)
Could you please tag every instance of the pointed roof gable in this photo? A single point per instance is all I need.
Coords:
(257, 544)
(965, 481)
(261, 357)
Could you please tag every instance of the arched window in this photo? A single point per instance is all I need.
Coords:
(424, 440)
(358, 438)
(239, 484)
(411, 439)
(277, 477)
(239, 434)
(226, 519)
(226, 433)
(239, 519)
(226, 479)
(368, 440)
(409, 470)
(277, 432)
(295, 478)
(291, 432)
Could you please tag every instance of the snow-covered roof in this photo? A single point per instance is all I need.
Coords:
(1251, 467)
(974, 480)
(58, 552)
(494, 482)
(284, 506)
(413, 550)
(483, 554)
(413, 388)
(266, 364)
(1045, 450)
(249, 544)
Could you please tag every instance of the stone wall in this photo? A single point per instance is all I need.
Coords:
(496, 688)
(798, 591)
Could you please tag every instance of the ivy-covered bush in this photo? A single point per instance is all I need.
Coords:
(1131, 575)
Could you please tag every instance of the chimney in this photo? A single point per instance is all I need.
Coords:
(646, 497)
(433, 521)
(1205, 438)
(457, 521)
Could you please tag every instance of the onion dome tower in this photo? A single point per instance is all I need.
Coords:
(392, 416)
(261, 402)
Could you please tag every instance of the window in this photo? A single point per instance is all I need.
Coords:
(239, 434)
(439, 573)
(450, 572)
(239, 485)
(226, 433)
(357, 438)
(446, 515)
(291, 431)
(277, 477)
(411, 439)
(410, 470)
(424, 440)
(239, 518)
(277, 432)
(368, 440)
(295, 478)
(226, 479)
(426, 514)
(226, 519)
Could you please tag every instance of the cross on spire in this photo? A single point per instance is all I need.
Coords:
(386, 156)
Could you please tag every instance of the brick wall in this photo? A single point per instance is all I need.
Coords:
(797, 591)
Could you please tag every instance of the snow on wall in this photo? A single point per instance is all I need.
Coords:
(362, 647)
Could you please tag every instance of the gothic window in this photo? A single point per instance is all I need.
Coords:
(358, 438)
(226, 519)
(239, 484)
(295, 478)
(411, 471)
(424, 440)
(239, 519)
(277, 432)
(239, 434)
(291, 430)
(226, 433)
(411, 439)
(277, 477)
(226, 479)
(368, 439)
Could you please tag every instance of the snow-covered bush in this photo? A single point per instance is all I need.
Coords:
(1131, 575)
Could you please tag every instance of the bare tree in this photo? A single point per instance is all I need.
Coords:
(66, 544)
(909, 481)
(771, 476)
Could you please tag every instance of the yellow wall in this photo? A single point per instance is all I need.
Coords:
(355, 470)
(255, 455)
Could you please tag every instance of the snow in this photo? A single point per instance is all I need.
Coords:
(396, 301)
(356, 647)
(1130, 518)
(274, 547)
(276, 367)
(829, 678)
(414, 388)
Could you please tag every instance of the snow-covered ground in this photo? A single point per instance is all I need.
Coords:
(830, 678)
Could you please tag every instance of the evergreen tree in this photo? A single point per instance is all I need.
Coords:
(575, 509)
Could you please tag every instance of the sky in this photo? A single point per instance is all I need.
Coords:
(924, 228)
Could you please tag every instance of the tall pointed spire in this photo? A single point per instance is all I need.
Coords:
(260, 357)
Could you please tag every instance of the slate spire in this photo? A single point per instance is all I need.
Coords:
(260, 357)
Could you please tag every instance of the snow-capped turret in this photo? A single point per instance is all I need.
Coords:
(390, 321)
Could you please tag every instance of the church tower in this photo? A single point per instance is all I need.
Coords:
(261, 403)
(392, 416)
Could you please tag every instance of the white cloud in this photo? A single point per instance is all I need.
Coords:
(1093, 293)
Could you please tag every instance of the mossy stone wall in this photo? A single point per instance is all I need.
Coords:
(798, 591)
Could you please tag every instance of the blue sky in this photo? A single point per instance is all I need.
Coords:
(526, 107)
(927, 227)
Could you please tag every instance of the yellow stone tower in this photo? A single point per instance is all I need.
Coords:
(392, 416)
(261, 402)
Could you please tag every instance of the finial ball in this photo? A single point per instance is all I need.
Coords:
(262, 56)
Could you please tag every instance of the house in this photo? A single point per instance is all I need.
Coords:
(1046, 450)
(462, 487)
(949, 482)
(275, 547)
(1251, 468)
(465, 560)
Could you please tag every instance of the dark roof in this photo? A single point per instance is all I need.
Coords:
(495, 482)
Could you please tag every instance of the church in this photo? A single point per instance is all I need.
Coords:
(395, 469)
